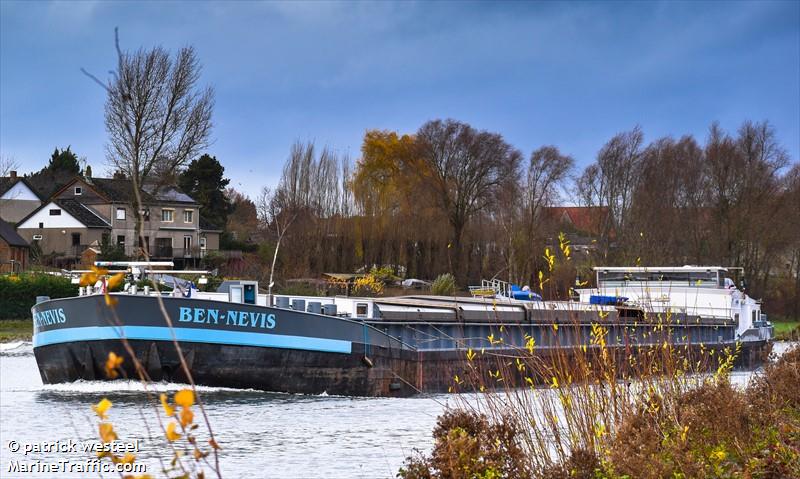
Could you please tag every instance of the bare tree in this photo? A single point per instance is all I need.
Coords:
(309, 188)
(7, 165)
(273, 212)
(466, 169)
(547, 172)
(611, 180)
(157, 117)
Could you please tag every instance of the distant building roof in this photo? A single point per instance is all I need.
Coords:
(583, 218)
(10, 236)
(7, 182)
(118, 189)
(170, 193)
(75, 208)
(47, 183)
(82, 213)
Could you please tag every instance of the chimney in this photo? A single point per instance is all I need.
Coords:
(13, 174)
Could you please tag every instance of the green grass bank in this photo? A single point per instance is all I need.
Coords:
(15, 330)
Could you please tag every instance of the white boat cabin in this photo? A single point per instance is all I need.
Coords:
(705, 291)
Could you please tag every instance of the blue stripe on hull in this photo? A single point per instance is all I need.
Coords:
(213, 336)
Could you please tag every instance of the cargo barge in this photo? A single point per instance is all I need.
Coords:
(400, 346)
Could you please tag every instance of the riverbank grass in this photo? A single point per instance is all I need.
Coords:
(787, 330)
(15, 330)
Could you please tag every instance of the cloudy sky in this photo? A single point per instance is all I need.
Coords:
(570, 74)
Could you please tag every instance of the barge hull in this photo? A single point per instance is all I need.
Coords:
(282, 350)
(386, 373)
(243, 367)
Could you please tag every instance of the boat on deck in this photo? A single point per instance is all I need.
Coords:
(397, 346)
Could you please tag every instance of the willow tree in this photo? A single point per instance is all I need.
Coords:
(157, 117)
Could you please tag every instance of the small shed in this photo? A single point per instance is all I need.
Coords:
(14, 250)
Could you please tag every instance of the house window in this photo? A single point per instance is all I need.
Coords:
(37, 237)
(55, 212)
(78, 191)
(76, 239)
(167, 215)
(41, 225)
(146, 214)
(202, 242)
(188, 216)
(121, 240)
(121, 214)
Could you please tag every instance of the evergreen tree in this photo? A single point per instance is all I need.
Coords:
(204, 181)
(62, 167)
(64, 161)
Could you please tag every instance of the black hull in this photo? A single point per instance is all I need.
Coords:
(386, 373)
(244, 367)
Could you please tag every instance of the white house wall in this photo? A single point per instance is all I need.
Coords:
(64, 220)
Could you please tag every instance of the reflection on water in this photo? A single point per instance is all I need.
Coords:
(275, 435)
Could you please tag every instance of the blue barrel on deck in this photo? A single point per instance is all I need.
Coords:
(606, 300)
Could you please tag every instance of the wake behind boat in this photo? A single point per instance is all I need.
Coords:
(238, 337)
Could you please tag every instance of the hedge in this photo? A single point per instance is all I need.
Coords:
(18, 293)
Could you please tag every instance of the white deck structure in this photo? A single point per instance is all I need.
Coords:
(704, 291)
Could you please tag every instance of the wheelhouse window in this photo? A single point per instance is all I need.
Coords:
(677, 278)
(55, 212)
(121, 214)
(188, 216)
(167, 216)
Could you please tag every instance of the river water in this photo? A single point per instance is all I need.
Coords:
(262, 434)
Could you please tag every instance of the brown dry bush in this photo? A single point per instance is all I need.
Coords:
(710, 430)
(469, 445)
(717, 430)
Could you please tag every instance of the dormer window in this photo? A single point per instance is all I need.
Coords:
(78, 191)
(55, 212)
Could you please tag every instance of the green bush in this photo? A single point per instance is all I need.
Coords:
(18, 292)
(444, 285)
